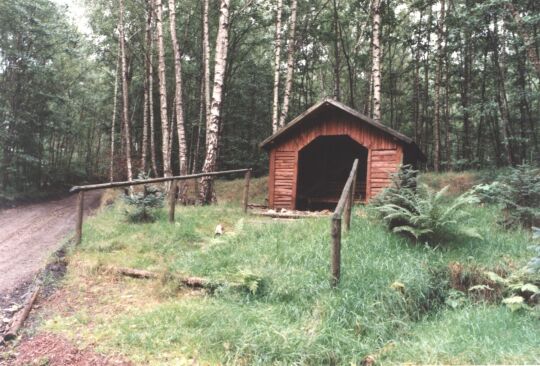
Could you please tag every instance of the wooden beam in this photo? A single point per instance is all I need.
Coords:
(153, 180)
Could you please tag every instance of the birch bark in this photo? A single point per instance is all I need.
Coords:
(290, 65)
(212, 128)
(277, 61)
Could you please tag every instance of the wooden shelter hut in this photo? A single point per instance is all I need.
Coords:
(311, 157)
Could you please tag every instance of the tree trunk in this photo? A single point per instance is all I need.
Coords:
(113, 123)
(290, 65)
(277, 61)
(376, 60)
(212, 129)
(150, 75)
(501, 94)
(179, 110)
(125, 96)
(147, 69)
(206, 61)
(337, 65)
(438, 74)
(165, 130)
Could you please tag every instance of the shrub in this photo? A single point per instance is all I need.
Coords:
(519, 192)
(143, 205)
(422, 213)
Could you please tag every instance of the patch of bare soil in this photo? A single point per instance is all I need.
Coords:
(29, 235)
(53, 350)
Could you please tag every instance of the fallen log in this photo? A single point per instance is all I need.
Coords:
(135, 273)
(21, 316)
(196, 282)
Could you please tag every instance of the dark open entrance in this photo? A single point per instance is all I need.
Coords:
(323, 168)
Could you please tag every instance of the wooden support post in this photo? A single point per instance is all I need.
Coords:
(172, 200)
(348, 210)
(80, 212)
(336, 251)
(247, 178)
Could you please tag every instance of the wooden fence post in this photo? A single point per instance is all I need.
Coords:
(247, 178)
(172, 200)
(347, 211)
(336, 251)
(80, 209)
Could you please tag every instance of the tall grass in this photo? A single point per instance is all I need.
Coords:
(391, 299)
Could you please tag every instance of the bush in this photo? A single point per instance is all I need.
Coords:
(519, 192)
(421, 213)
(143, 205)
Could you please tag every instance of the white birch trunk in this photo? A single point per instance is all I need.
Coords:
(206, 60)
(165, 131)
(212, 129)
(376, 60)
(179, 110)
(277, 61)
(290, 65)
(125, 96)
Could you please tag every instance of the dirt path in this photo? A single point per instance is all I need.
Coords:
(30, 234)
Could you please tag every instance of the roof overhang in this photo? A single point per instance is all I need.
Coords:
(407, 142)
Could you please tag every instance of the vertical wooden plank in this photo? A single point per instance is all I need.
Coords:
(294, 181)
(80, 211)
(368, 177)
(336, 251)
(247, 177)
(172, 200)
(271, 179)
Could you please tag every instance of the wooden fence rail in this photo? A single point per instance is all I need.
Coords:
(344, 206)
(172, 192)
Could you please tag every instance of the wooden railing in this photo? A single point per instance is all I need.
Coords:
(172, 192)
(344, 206)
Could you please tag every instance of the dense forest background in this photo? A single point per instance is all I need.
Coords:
(462, 77)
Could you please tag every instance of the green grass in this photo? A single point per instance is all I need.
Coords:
(294, 318)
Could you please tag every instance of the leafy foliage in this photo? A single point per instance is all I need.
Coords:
(422, 213)
(522, 288)
(519, 192)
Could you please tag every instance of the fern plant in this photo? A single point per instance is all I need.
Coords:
(421, 213)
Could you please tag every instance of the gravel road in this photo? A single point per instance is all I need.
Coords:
(31, 233)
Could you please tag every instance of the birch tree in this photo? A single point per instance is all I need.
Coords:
(125, 91)
(376, 60)
(165, 130)
(178, 104)
(212, 127)
(277, 62)
(290, 65)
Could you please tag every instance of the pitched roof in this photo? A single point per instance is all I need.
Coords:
(331, 102)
